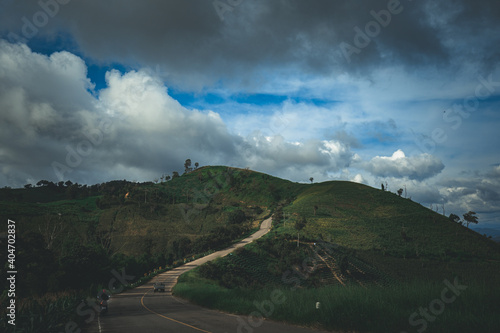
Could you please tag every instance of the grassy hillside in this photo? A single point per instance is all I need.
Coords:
(74, 235)
(364, 254)
(127, 215)
(363, 218)
(71, 237)
(179, 216)
(326, 235)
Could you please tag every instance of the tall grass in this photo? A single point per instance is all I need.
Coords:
(353, 307)
(49, 313)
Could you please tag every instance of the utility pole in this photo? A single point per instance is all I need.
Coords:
(298, 237)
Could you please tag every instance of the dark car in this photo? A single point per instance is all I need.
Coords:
(159, 286)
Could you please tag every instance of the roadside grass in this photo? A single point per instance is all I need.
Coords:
(49, 313)
(352, 307)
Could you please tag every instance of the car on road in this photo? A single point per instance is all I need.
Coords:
(159, 286)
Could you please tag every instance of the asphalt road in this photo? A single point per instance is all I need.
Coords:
(142, 310)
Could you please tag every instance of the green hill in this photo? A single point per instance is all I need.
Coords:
(333, 234)
(205, 208)
(83, 232)
(127, 213)
(363, 218)
(371, 259)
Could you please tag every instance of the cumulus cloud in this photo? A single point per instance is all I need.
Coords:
(398, 165)
(358, 178)
(132, 129)
(480, 193)
(274, 153)
(66, 132)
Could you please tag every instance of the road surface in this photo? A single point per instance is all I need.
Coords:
(142, 310)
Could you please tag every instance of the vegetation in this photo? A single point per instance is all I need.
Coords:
(71, 237)
(364, 255)
(352, 307)
(470, 217)
(365, 246)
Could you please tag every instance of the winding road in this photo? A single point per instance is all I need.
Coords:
(142, 310)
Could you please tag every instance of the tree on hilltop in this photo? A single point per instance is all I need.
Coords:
(470, 217)
(43, 183)
(187, 166)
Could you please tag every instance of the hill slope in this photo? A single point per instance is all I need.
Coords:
(369, 257)
(209, 207)
(335, 234)
(364, 218)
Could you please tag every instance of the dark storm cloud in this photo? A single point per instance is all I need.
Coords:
(196, 48)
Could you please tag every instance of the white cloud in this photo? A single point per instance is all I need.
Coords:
(479, 192)
(358, 178)
(398, 165)
(132, 128)
(292, 160)
(45, 104)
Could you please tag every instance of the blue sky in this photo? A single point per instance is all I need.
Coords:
(401, 92)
